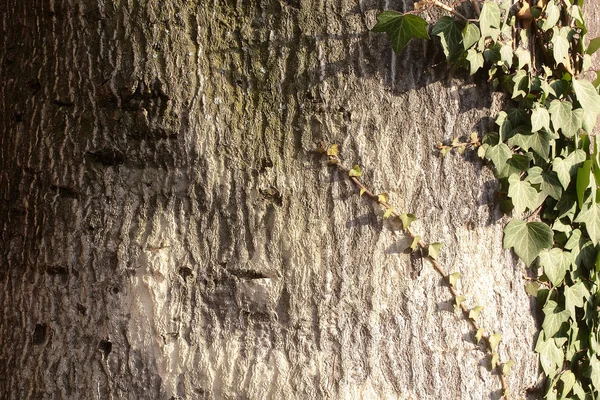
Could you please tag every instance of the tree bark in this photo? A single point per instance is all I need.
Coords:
(169, 232)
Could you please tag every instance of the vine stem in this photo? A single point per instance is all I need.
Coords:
(334, 160)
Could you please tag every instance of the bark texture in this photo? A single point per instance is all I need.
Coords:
(167, 231)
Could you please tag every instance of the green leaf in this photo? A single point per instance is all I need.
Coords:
(494, 341)
(495, 359)
(593, 46)
(552, 16)
(595, 372)
(574, 297)
(555, 263)
(382, 197)
(489, 20)
(450, 34)
(590, 216)
(506, 55)
(453, 278)
(362, 191)
(523, 195)
(524, 57)
(532, 288)
(475, 60)
(458, 301)
(583, 180)
(407, 219)
(560, 113)
(474, 313)
(537, 141)
(388, 212)
(471, 35)
(332, 150)
(507, 367)
(498, 155)
(568, 379)
(479, 334)
(551, 186)
(355, 172)
(553, 320)
(551, 355)
(415, 243)
(540, 118)
(401, 28)
(587, 96)
(433, 250)
(527, 238)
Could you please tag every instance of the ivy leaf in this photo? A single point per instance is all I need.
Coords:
(532, 288)
(475, 60)
(568, 379)
(332, 150)
(494, 341)
(553, 320)
(355, 172)
(552, 16)
(450, 34)
(471, 35)
(362, 191)
(551, 356)
(537, 141)
(562, 169)
(388, 212)
(506, 55)
(587, 96)
(401, 28)
(458, 301)
(498, 154)
(583, 180)
(489, 20)
(474, 313)
(523, 195)
(407, 219)
(527, 238)
(453, 278)
(540, 118)
(593, 46)
(560, 113)
(382, 197)
(507, 367)
(479, 334)
(590, 216)
(495, 359)
(574, 297)
(524, 57)
(595, 372)
(433, 250)
(415, 243)
(555, 263)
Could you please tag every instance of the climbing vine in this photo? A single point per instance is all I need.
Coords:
(544, 154)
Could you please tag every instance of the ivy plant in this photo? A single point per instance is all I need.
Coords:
(544, 154)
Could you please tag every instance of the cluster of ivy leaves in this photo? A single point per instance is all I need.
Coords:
(546, 158)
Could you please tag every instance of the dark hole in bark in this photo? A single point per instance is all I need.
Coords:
(185, 272)
(105, 347)
(115, 290)
(39, 334)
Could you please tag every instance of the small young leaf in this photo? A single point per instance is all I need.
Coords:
(479, 334)
(458, 301)
(474, 313)
(494, 340)
(332, 150)
(532, 288)
(362, 191)
(355, 172)
(507, 367)
(382, 198)
(407, 219)
(415, 243)
(388, 212)
(495, 359)
(433, 250)
(453, 278)
(401, 28)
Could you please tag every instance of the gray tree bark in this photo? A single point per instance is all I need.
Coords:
(168, 232)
